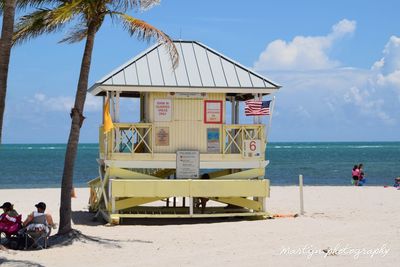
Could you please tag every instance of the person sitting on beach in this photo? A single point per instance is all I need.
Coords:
(397, 182)
(8, 211)
(361, 178)
(39, 220)
(9, 221)
(355, 173)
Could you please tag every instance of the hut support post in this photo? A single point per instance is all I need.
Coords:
(117, 100)
(113, 205)
(116, 120)
(237, 112)
(233, 110)
(190, 206)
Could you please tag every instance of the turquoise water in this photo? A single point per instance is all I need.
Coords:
(41, 165)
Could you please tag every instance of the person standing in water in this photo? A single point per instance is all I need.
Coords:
(361, 179)
(355, 173)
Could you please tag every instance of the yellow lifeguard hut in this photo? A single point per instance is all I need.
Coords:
(145, 166)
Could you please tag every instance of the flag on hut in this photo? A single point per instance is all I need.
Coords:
(257, 108)
(108, 124)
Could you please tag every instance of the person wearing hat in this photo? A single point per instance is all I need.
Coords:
(39, 220)
(8, 209)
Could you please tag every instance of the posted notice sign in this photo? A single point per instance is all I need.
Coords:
(162, 110)
(187, 164)
(213, 145)
(212, 111)
(162, 136)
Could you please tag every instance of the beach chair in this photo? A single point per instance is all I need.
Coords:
(37, 239)
(37, 234)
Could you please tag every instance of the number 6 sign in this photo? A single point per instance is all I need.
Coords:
(252, 148)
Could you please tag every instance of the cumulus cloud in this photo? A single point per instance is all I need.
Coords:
(304, 52)
(327, 102)
(93, 103)
(387, 69)
(63, 103)
(368, 104)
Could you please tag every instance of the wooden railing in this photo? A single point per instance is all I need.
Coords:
(127, 138)
(138, 138)
(237, 136)
(132, 138)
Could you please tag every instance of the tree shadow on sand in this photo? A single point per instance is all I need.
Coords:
(86, 218)
(77, 236)
(17, 263)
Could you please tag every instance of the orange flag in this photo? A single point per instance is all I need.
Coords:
(108, 124)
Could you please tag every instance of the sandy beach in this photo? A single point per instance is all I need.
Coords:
(355, 227)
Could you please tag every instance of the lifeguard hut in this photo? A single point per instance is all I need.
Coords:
(182, 133)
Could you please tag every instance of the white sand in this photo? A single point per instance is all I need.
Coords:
(341, 218)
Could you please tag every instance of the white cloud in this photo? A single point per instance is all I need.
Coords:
(340, 103)
(304, 53)
(342, 28)
(387, 69)
(63, 103)
(93, 103)
(60, 103)
(368, 104)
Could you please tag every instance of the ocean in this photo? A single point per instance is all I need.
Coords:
(327, 163)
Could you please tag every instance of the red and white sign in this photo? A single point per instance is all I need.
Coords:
(212, 111)
(162, 110)
(252, 148)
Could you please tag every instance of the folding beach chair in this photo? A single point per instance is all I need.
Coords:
(37, 234)
(37, 239)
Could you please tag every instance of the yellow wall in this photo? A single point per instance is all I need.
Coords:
(187, 130)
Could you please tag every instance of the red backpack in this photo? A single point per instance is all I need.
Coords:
(10, 227)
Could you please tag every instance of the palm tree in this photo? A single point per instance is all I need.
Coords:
(89, 16)
(7, 29)
(7, 7)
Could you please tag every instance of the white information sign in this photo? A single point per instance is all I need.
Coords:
(187, 164)
(252, 148)
(162, 109)
(188, 95)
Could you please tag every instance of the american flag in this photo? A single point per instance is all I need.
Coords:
(257, 108)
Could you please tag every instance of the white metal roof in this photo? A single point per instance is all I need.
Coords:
(201, 69)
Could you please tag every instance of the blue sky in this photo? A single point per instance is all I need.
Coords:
(338, 62)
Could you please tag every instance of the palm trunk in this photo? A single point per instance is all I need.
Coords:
(5, 50)
(73, 140)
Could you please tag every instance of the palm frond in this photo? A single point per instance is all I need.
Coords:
(46, 20)
(23, 4)
(76, 35)
(66, 11)
(35, 24)
(124, 5)
(146, 32)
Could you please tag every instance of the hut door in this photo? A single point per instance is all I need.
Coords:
(188, 124)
